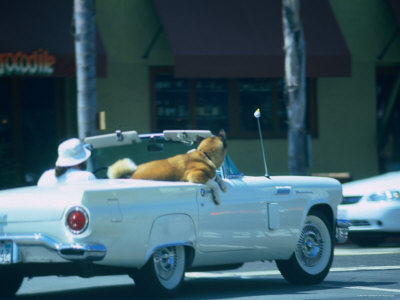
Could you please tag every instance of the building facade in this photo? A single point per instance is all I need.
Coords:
(207, 65)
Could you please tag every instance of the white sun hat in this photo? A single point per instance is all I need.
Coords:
(71, 153)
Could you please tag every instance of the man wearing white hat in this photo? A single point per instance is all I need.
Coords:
(70, 165)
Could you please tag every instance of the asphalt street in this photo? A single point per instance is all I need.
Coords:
(356, 273)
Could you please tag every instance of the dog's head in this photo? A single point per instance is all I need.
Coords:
(215, 147)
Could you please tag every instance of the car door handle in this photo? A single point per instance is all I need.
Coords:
(283, 190)
(204, 192)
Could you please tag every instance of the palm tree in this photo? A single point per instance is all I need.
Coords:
(85, 55)
(295, 81)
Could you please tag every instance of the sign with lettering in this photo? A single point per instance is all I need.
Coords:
(39, 62)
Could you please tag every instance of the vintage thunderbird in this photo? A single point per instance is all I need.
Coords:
(154, 231)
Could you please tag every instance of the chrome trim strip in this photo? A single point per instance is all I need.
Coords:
(283, 190)
(90, 252)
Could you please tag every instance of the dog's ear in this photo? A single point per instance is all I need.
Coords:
(222, 134)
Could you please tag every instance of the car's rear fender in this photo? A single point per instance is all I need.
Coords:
(171, 230)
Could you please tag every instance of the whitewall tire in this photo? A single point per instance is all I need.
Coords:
(163, 274)
(313, 256)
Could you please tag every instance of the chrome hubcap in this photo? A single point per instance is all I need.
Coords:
(310, 246)
(165, 262)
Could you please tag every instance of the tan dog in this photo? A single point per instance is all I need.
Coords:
(198, 166)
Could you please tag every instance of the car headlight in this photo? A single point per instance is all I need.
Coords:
(385, 196)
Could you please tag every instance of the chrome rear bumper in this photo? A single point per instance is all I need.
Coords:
(41, 248)
(342, 230)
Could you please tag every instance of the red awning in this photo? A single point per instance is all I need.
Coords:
(37, 39)
(236, 38)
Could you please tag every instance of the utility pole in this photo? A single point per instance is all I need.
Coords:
(295, 81)
(85, 56)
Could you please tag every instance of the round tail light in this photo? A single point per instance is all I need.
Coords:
(77, 220)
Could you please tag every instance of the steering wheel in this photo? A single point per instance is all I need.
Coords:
(98, 170)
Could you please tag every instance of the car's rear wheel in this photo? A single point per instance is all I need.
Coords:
(163, 274)
(312, 258)
(10, 282)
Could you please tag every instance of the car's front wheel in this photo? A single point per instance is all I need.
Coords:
(163, 274)
(312, 258)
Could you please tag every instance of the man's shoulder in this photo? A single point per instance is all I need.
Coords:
(48, 177)
(80, 175)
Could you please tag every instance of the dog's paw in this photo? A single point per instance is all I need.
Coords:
(212, 184)
(216, 197)
(221, 183)
(223, 186)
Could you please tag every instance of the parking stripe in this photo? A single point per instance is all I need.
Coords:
(248, 274)
(366, 251)
(230, 274)
(364, 268)
(366, 288)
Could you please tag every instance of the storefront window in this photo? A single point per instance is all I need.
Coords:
(253, 94)
(8, 166)
(32, 122)
(223, 103)
(388, 118)
(172, 102)
(211, 104)
(282, 112)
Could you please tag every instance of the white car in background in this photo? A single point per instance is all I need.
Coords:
(372, 206)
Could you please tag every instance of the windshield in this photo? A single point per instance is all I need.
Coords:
(151, 148)
(147, 150)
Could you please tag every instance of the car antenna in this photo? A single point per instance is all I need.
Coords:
(257, 115)
(119, 134)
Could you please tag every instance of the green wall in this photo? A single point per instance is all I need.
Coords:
(127, 28)
(346, 106)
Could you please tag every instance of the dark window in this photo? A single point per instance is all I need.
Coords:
(32, 123)
(180, 103)
(211, 104)
(388, 107)
(172, 102)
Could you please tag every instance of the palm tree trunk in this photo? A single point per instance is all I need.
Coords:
(85, 55)
(295, 86)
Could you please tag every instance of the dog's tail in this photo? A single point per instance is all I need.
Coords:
(122, 168)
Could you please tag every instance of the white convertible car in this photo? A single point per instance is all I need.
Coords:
(156, 230)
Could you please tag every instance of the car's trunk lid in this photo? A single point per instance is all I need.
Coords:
(31, 204)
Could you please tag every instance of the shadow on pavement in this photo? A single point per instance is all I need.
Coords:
(216, 288)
